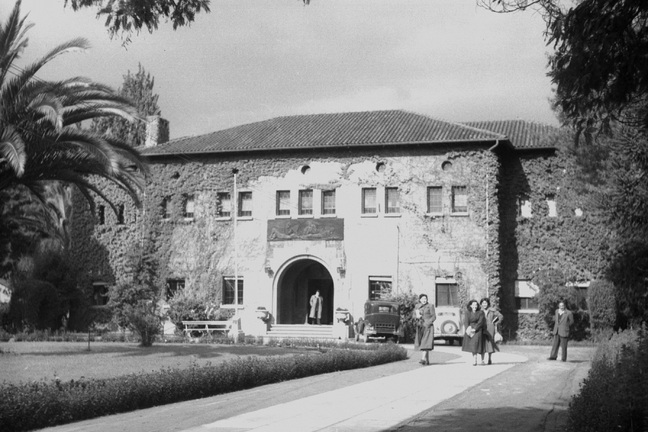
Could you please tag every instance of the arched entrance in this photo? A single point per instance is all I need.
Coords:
(296, 284)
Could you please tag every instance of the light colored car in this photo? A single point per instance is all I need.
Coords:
(448, 324)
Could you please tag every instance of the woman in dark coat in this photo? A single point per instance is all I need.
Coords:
(493, 318)
(474, 323)
(424, 315)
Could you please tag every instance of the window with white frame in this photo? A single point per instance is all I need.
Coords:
(229, 298)
(379, 287)
(99, 293)
(526, 300)
(524, 208)
(224, 204)
(459, 199)
(165, 208)
(369, 204)
(551, 205)
(283, 203)
(328, 202)
(173, 286)
(392, 200)
(245, 204)
(305, 205)
(446, 292)
(434, 199)
(189, 206)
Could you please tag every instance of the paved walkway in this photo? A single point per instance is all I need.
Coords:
(369, 406)
(399, 396)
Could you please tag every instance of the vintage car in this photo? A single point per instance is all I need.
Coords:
(381, 321)
(448, 324)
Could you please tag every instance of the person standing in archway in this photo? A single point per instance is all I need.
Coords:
(316, 302)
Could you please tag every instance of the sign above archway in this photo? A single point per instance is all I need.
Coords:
(305, 229)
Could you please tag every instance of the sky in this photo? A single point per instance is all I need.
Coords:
(252, 60)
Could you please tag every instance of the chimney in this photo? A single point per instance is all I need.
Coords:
(157, 131)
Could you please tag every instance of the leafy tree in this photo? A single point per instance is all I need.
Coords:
(138, 88)
(601, 297)
(125, 16)
(42, 140)
(600, 63)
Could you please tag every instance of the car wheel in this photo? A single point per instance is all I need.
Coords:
(450, 341)
(449, 327)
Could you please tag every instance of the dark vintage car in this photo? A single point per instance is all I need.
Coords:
(381, 321)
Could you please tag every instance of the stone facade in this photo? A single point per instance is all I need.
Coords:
(344, 252)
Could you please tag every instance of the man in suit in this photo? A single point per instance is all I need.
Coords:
(563, 322)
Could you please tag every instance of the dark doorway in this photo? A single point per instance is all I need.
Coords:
(295, 287)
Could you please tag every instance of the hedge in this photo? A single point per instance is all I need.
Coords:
(41, 404)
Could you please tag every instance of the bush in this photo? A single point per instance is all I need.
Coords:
(614, 396)
(406, 304)
(601, 298)
(187, 306)
(42, 404)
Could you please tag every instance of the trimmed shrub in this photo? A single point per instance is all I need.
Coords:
(614, 396)
(601, 298)
(406, 304)
(42, 404)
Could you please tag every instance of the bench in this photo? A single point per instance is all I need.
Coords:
(207, 326)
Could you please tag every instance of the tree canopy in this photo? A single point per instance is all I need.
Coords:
(600, 60)
(127, 16)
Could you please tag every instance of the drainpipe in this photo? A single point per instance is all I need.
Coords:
(235, 211)
(487, 219)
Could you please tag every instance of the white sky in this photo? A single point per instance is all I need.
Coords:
(251, 60)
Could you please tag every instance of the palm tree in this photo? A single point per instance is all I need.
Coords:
(42, 138)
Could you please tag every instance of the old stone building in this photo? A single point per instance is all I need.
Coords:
(352, 204)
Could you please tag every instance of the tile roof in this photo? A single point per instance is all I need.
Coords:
(522, 134)
(352, 129)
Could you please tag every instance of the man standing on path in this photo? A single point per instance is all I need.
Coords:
(563, 322)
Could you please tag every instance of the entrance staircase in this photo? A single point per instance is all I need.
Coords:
(301, 331)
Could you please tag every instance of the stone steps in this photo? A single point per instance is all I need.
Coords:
(301, 331)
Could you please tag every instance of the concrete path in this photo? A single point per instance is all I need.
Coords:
(401, 396)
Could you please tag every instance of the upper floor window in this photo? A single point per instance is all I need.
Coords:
(245, 204)
(369, 201)
(459, 199)
(173, 286)
(379, 287)
(165, 208)
(328, 202)
(101, 210)
(283, 203)
(392, 200)
(434, 199)
(306, 202)
(551, 204)
(224, 204)
(120, 214)
(524, 208)
(229, 297)
(188, 206)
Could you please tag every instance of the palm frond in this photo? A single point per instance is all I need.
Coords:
(12, 149)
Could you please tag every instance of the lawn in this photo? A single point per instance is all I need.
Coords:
(34, 361)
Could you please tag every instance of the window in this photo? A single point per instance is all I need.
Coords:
(120, 214)
(525, 296)
(173, 286)
(524, 208)
(188, 206)
(328, 202)
(551, 204)
(392, 200)
(165, 210)
(379, 287)
(101, 213)
(283, 203)
(459, 199)
(99, 293)
(245, 204)
(224, 204)
(228, 290)
(306, 202)
(369, 201)
(434, 199)
(447, 293)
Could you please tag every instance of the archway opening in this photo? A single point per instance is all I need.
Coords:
(297, 283)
